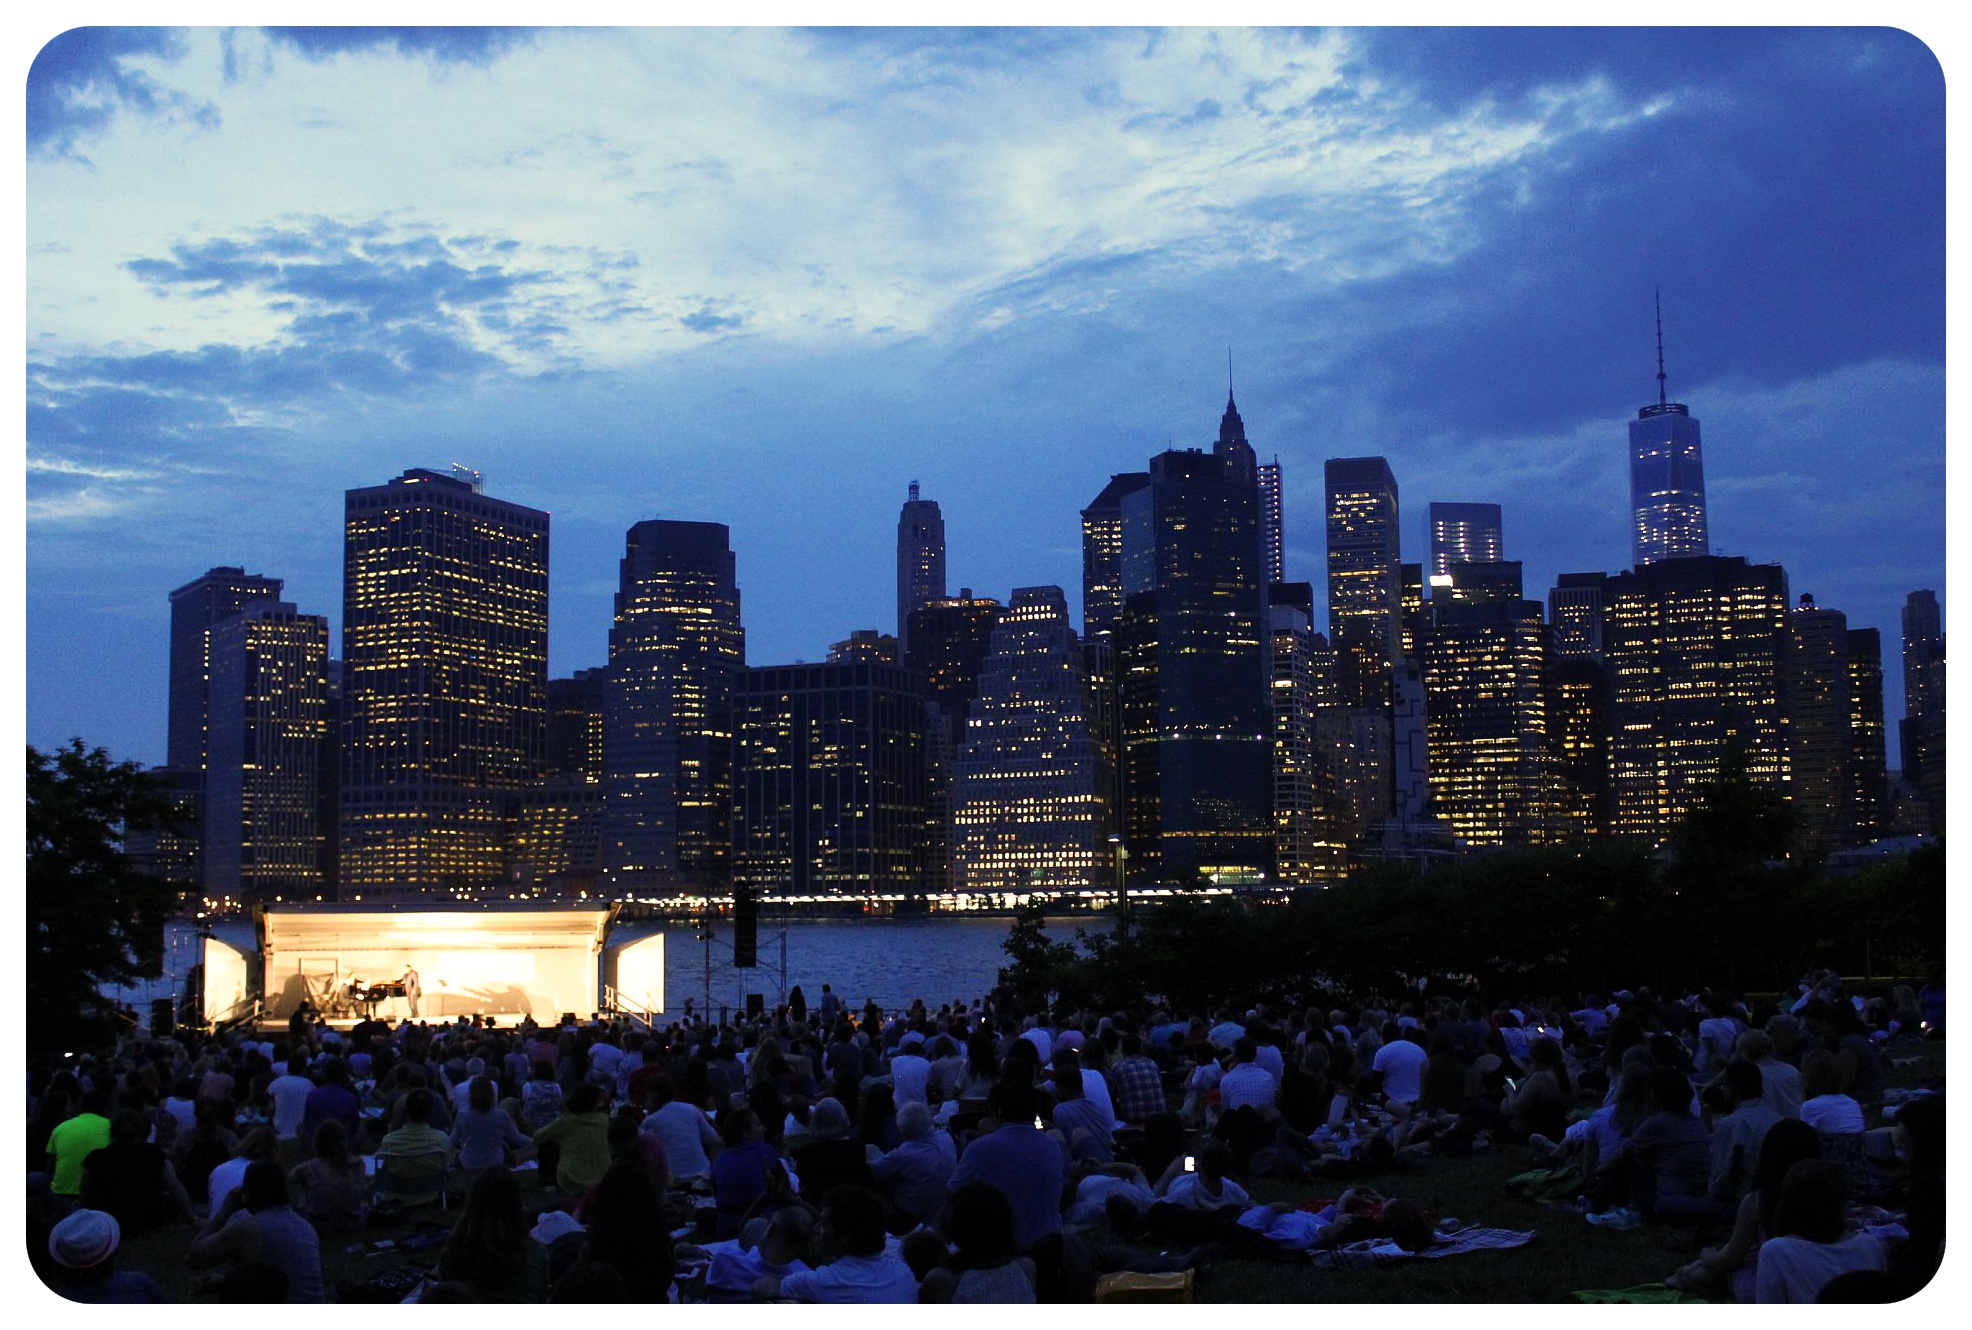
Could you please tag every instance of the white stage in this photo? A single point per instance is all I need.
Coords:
(506, 961)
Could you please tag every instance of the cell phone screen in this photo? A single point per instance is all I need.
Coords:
(1191, 1164)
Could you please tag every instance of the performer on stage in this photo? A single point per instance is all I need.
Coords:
(411, 989)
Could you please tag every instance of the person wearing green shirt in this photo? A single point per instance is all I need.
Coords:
(75, 1140)
(417, 1137)
(583, 1133)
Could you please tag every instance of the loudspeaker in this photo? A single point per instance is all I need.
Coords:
(746, 929)
(756, 1005)
(163, 1017)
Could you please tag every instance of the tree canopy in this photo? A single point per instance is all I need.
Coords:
(92, 918)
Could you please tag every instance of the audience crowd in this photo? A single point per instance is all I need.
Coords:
(976, 1152)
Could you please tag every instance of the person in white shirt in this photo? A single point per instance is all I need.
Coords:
(1401, 1060)
(866, 1272)
(687, 1135)
(910, 1071)
(1810, 1247)
(290, 1095)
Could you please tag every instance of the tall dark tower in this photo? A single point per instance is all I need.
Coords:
(1192, 655)
(1667, 477)
(445, 682)
(1922, 732)
(196, 608)
(1365, 588)
(675, 652)
(920, 561)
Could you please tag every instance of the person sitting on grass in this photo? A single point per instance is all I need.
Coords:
(984, 1267)
(83, 1249)
(1811, 1245)
(865, 1272)
(581, 1134)
(1539, 1104)
(1727, 1271)
(255, 1223)
(1668, 1158)
(489, 1250)
(331, 1189)
(1736, 1135)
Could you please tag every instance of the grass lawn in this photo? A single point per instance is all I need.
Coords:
(1568, 1254)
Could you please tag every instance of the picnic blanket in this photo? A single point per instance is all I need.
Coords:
(1636, 1293)
(1381, 1251)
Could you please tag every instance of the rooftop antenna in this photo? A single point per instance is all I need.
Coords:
(914, 491)
(1229, 385)
(1658, 293)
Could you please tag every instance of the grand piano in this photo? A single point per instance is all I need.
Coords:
(367, 996)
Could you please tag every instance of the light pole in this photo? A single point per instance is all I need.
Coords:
(1122, 892)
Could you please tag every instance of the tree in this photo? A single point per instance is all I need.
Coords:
(92, 919)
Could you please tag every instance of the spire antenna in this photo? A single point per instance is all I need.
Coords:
(1658, 294)
(1229, 378)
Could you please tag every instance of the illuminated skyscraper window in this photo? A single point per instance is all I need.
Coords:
(195, 608)
(445, 680)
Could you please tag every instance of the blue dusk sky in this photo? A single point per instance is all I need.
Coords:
(768, 277)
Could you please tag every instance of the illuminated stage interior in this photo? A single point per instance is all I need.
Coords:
(500, 961)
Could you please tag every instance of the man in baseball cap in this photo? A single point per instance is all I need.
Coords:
(83, 1248)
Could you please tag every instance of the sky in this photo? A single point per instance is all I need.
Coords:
(768, 277)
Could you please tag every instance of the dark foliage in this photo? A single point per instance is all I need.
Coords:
(92, 919)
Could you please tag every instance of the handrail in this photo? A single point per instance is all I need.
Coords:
(615, 1000)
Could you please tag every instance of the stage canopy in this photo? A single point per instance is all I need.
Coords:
(492, 960)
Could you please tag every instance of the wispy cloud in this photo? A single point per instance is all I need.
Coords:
(83, 79)
(472, 46)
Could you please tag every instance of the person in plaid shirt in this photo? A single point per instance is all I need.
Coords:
(1135, 1085)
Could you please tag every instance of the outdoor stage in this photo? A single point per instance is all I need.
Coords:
(497, 960)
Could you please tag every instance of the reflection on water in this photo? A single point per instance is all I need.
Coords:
(892, 961)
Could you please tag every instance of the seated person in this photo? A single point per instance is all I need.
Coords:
(1668, 1158)
(254, 1223)
(984, 1266)
(1811, 1245)
(915, 1173)
(852, 1222)
(737, 1268)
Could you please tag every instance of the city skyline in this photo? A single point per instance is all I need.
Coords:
(205, 380)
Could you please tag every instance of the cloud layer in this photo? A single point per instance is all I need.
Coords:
(767, 277)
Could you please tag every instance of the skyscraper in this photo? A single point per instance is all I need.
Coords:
(1491, 778)
(1574, 611)
(1364, 578)
(1102, 553)
(195, 608)
(268, 725)
(1667, 478)
(949, 640)
(829, 785)
(1027, 798)
(920, 560)
(1192, 652)
(1819, 704)
(575, 725)
(1309, 846)
(1696, 652)
(445, 681)
(1870, 795)
(674, 652)
(1463, 533)
(1273, 544)
(1921, 735)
